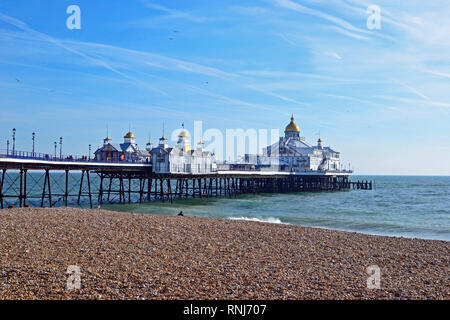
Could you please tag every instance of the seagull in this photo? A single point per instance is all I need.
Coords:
(175, 30)
(170, 38)
(18, 80)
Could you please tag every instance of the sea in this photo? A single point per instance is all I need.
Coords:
(402, 206)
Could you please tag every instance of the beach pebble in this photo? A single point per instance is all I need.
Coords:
(145, 256)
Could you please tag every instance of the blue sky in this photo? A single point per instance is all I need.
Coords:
(380, 97)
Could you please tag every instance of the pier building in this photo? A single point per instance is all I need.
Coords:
(182, 158)
(293, 153)
(128, 151)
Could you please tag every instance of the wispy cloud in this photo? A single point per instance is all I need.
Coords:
(415, 101)
(171, 13)
(249, 10)
(286, 75)
(435, 72)
(98, 62)
(291, 5)
(334, 54)
(288, 40)
(413, 90)
(348, 98)
(347, 33)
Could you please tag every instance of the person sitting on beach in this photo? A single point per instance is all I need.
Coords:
(181, 214)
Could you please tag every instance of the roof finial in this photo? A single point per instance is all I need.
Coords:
(149, 143)
(107, 139)
(163, 129)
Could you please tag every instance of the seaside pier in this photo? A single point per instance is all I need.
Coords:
(41, 182)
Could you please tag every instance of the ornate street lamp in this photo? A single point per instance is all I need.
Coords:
(7, 147)
(14, 141)
(60, 147)
(55, 149)
(33, 136)
(89, 152)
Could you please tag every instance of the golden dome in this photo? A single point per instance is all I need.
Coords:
(292, 126)
(129, 135)
(183, 134)
(319, 141)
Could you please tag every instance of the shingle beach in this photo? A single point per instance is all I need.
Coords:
(146, 256)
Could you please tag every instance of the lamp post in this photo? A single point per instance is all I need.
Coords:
(55, 149)
(33, 136)
(60, 147)
(7, 147)
(14, 141)
(89, 158)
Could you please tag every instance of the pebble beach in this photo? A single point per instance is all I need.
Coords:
(149, 256)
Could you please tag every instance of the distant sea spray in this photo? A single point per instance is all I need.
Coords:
(268, 219)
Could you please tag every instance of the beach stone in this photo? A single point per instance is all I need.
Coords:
(146, 256)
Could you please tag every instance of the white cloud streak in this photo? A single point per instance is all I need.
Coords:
(21, 25)
(173, 13)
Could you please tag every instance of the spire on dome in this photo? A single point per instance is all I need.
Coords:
(292, 126)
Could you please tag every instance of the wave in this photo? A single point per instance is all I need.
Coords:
(267, 220)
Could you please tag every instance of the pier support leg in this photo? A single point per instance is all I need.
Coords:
(21, 188)
(43, 188)
(25, 187)
(169, 187)
(122, 189)
(81, 187)
(89, 188)
(1, 188)
(149, 189)
(129, 189)
(100, 192)
(141, 189)
(66, 191)
(161, 182)
(49, 189)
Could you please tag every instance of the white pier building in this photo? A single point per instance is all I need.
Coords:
(292, 153)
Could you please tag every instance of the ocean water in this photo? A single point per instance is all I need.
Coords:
(407, 206)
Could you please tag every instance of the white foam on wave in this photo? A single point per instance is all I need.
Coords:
(268, 220)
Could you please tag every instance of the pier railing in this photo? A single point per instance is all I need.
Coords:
(29, 155)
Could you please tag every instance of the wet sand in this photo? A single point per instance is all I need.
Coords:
(144, 256)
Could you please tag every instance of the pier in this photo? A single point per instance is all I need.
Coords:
(43, 182)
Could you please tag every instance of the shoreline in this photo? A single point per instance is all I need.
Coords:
(271, 219)
(152, 256)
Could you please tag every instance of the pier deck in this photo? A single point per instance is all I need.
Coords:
(46, 182)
